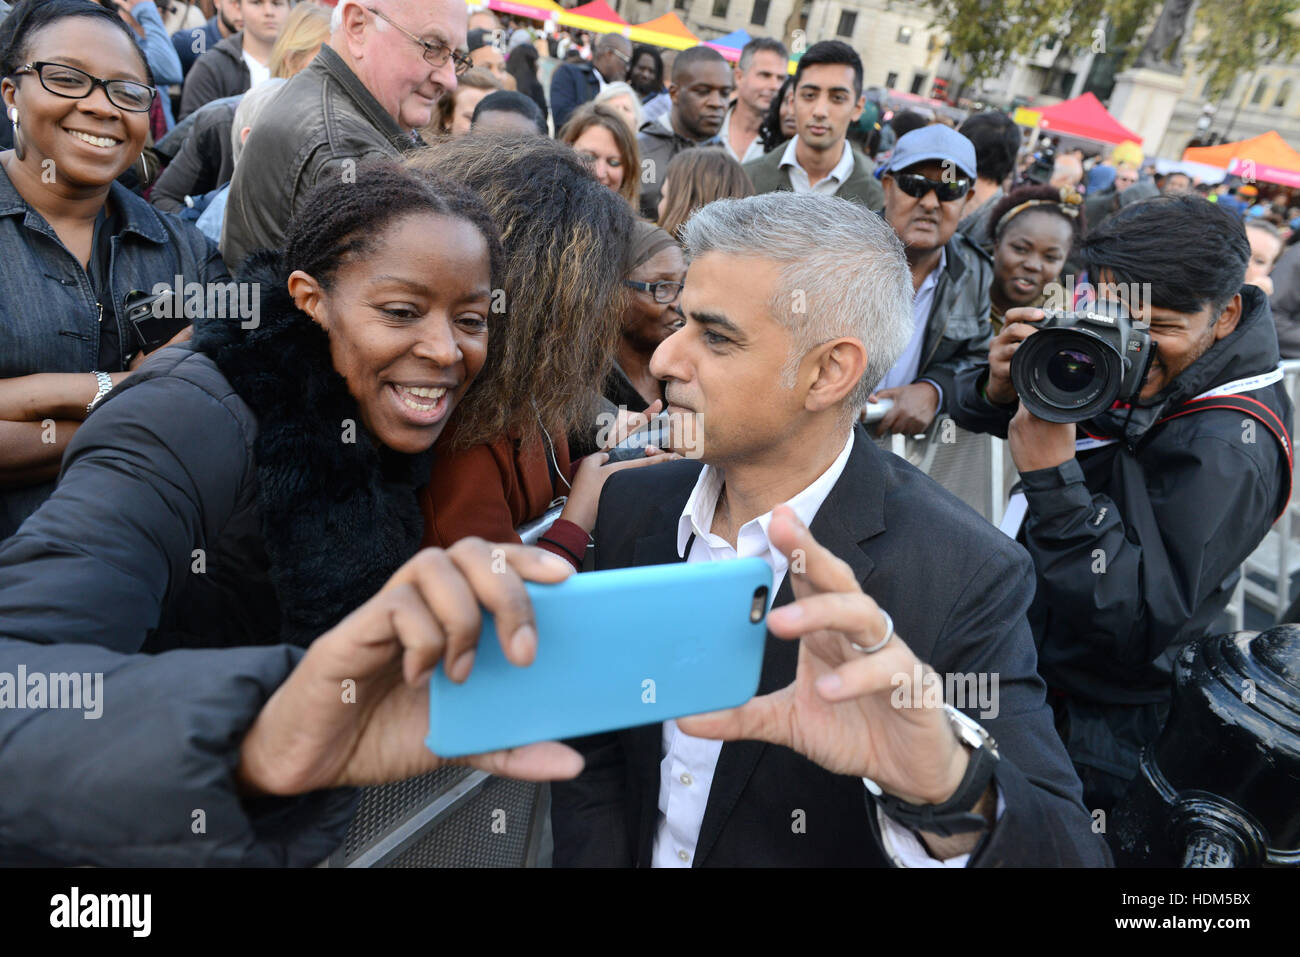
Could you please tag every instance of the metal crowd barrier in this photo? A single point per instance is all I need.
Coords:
(1266, 575)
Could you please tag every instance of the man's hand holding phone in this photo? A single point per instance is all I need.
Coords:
(839, 712)
(356, 708)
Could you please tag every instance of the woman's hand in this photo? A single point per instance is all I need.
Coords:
(629, 422)
(183, 336)
(356, 708)
(584, 496)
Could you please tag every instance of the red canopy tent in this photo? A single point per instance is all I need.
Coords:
(1086, 118)
(595, 16)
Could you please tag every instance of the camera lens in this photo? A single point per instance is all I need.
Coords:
(1071, 371)
(1066, 375)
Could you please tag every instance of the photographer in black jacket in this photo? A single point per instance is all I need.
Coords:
(1137, 522)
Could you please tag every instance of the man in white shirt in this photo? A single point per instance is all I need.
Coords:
(819, 158)
(794, 307)
(759, 74)
(263, 21)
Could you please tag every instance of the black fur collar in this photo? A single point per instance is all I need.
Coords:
(338, 517)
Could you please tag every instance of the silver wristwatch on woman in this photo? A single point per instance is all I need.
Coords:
(105, 387)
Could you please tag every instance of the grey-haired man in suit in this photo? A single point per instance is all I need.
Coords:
(888, 590)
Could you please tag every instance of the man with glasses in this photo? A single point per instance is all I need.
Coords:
(379, 77)
(819, 159)
(574, 84)
(926, 182)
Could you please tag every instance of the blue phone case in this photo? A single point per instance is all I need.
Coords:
(615, 649)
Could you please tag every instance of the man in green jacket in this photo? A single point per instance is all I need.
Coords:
(819, 159)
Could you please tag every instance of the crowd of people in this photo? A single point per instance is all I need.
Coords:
(307, 311)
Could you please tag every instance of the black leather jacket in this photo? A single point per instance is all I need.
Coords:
(958, 331)
(321, 126)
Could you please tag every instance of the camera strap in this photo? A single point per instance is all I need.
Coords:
(1226, 396)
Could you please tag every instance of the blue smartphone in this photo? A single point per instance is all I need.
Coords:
(615, 649)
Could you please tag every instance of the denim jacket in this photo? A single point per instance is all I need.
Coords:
(49, 315)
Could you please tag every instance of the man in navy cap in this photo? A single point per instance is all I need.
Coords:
(926, 182)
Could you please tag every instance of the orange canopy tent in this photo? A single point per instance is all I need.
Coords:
(595, 16)
(1086, 118)
(666, 31)
(1266, 157)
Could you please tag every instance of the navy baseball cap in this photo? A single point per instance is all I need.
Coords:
(935, 143)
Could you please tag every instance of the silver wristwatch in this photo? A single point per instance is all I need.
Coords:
(105, 387)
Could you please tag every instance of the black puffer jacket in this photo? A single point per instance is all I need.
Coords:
(215, 499)
(1137, 544)
(150, 781)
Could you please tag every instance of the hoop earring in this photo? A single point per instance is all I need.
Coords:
(144, 169)
(20, 148)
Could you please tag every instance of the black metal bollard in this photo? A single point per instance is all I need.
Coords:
(1220, 787)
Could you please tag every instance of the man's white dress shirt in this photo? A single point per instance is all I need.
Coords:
(687, 768)
(755, 150)
(799, 176)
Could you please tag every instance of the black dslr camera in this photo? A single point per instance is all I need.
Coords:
(1079, 363)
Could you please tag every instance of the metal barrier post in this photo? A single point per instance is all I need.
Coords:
(997, 494)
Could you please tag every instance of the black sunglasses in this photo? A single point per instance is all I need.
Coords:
(67, 81)
(914, 184)
(664, 291)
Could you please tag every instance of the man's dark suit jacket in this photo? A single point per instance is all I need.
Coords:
(572, 84)
(957, 589)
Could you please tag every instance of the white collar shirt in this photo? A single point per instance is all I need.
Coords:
(799, 176)
(687, 768)
(689, 763)
(755, 150)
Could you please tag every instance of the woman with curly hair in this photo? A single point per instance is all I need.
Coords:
(696, 177)
(1033, 230)
(503, 462)
(605, 141)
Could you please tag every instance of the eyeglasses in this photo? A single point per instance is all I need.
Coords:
(74, 84)
(627, 60)
(664, 291)
(914, 184)
(435, 54)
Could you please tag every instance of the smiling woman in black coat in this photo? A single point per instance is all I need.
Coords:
(259, 483)
(255, 487)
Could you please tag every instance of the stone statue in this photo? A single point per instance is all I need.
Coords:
(1162, 49)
